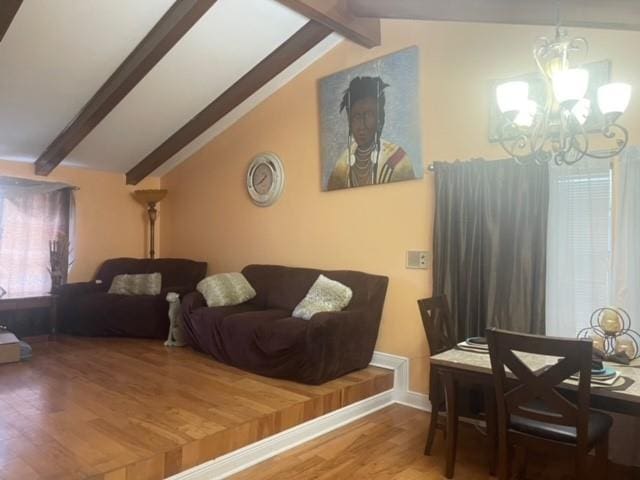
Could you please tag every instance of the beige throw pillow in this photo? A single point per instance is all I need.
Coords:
(325, 295)
(226, 289)
(136, 284)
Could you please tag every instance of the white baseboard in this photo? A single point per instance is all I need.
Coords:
(401, 392)
(238, 460)
(245, 457)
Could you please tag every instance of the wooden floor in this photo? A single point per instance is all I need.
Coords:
(388, 445)
(110, 409)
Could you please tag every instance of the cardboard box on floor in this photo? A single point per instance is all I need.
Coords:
(9, 348)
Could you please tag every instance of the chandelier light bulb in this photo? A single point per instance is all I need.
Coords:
(614, 98)
(512, 96)
(581, 110)
(526, 114)
(570, 85)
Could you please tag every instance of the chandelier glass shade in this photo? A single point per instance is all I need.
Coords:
(555, 130)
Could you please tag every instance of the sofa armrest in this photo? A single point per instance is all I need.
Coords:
(81, 288)
(192, 301)
(341, 341)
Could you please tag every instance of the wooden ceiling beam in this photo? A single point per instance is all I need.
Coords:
(610, 14)
(177, 21)
(8, 10)
(291, 50)
(335, 15)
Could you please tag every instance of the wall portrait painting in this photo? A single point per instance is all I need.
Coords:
(369, 123)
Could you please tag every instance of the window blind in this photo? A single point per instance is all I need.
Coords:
(578, 245)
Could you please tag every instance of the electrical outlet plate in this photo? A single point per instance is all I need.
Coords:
(420, 259)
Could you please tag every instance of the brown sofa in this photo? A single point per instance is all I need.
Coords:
(87, 309)
(262, 337)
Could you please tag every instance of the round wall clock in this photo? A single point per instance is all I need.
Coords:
(265, 179)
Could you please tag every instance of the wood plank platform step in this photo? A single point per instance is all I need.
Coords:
(125, 409)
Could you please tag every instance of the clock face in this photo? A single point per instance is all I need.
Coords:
(265, 179)
(262, 179)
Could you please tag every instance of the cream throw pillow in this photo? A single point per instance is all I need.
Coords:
(325, 295)
(136, 284)
(226, 289)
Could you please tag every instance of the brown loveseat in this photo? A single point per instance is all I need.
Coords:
(261, 336)
(87, 309)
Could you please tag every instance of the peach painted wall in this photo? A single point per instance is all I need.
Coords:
(109, 222)
(371, 228)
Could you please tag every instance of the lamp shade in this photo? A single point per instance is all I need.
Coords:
(146, 197)
(512, 96)
(570, 85)
(614, 97)
(581, 110)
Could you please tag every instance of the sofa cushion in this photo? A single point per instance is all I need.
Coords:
(240, 333)
(325, 295)
(136, 284)
(225, 289)
(201, 325)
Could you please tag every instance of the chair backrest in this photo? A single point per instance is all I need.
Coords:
(541, 386)
(436, 319)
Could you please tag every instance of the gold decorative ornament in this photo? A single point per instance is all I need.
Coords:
(610, 332)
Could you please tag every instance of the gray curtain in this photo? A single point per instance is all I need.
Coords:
(490, 244)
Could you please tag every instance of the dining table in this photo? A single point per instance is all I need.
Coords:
(459, 365)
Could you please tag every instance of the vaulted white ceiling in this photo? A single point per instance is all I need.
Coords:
(57, 53)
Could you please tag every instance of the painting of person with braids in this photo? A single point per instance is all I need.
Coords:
(368, 159)
(369, 123)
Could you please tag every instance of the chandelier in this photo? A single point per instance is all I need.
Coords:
(556, 130)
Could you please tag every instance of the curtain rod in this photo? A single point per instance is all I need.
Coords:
(431, 166)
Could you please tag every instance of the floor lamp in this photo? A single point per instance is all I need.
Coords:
(150, 198)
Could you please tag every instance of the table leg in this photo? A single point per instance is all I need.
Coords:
(435, 394)
(452, 422)
(53, 317)
(491, 417)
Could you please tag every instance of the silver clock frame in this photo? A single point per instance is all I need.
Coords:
(273, 162)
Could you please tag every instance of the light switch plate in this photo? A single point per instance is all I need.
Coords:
(418, 259)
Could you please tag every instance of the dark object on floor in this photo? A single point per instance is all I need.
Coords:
(533, 414)
(261, 336)
(87, 309)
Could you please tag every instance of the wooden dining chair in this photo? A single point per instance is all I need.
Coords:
(532, 414)
(436, 319)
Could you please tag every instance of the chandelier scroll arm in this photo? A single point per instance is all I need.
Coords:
(561, 126)
(608, 132)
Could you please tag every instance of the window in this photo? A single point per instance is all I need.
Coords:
(578, 245)
(32, 214)
(592, 254)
